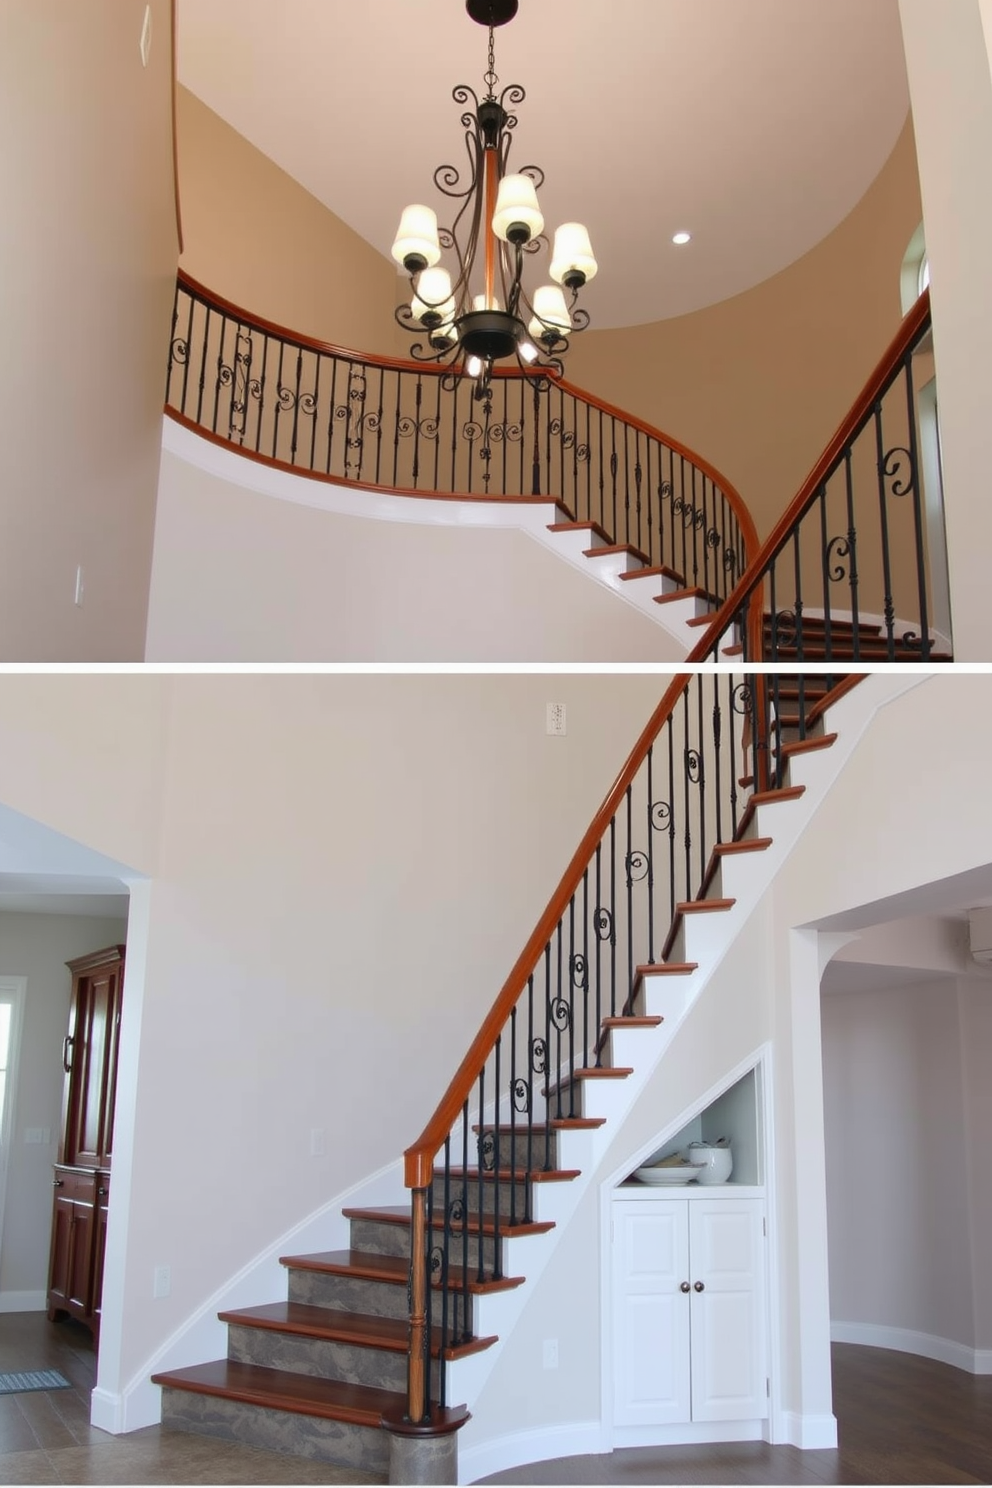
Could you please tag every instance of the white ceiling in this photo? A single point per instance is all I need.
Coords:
(755, 124)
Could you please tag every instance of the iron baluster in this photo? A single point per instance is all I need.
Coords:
(672, 894)
(732, 734)
(332, 412)
(497, 1096)
(584, 953)
(598, 926)
(686, 805)
(442, 1276)
(536, 456)
(628, 862)
(798, 608)
(825, 580)
(701, 780)
(889, 611)
(613, 917)
(461, 1208)
(481, 1270)
(650, 831)
(772, 621)
(316, 405)
(717, 740)
(921, 578)
(437, 436)
(219, 379)
(638, 475)
(278, 408)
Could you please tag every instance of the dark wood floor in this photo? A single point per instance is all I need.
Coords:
(901, 1419)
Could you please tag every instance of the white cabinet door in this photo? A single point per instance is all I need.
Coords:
(650, 1313)
(726, 1245)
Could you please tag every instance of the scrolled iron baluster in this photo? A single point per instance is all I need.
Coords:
(636, 862)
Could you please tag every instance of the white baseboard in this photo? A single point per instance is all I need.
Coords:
(23, 1301)
(579, 1438)
(687, 1434)
(810, 1433)
(107, 1411)
(908, 1341)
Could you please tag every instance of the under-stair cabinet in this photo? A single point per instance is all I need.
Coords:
(82, 1173)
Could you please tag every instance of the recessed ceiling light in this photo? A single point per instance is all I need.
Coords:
(682, 237)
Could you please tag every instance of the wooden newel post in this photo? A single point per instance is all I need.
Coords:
(417, 1402)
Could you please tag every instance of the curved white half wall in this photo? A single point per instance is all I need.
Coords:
(253, 564)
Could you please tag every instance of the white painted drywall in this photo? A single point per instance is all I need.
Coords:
(241, 576)
(897, 1160)
(950, 85)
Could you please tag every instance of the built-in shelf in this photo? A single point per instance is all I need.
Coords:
(735, 1114)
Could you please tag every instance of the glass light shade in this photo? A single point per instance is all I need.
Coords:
(550, 312)
(572, 254)
(516, 204)
(417, 236)
(473, 366)
(433, 296)
(528, 351)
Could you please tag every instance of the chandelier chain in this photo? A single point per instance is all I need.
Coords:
(490, 78)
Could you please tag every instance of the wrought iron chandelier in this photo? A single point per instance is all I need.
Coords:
(481, 313)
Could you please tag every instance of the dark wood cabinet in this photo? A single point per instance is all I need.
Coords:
(82, 1173)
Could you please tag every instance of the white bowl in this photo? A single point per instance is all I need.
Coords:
(717, 1163)
(668, 1177)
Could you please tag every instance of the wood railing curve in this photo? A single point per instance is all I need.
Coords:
(848, 571)
(385, 424)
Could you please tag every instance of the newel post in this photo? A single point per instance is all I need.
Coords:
(417, 1384)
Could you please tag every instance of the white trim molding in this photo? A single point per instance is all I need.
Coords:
(909, 1341)
(499, 1454)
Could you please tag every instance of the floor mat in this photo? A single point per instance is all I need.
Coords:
(36, 1379)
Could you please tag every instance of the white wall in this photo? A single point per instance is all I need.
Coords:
(240, 576)
(348, 868)
(897, 1143)
(947, 62)
(37, 946)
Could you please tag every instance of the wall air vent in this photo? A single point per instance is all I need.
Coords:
(980, 934)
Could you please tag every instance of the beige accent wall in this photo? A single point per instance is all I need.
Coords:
(87, 263)
(758, 383)
(257, 237)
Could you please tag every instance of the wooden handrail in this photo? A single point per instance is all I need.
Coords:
(748, 586)
(419, 1159)
(745, 521)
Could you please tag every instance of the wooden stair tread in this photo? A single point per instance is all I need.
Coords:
(818, 622)
(361, 1330)
(366, 1265)
(633, 1021)
(742, 845)
(665, 968)
(657, 571)
(509, 1174)
(593, 527)
(612, 549)
(704, 906)
(695, 593)
(787, 793)
(281, 1389)
(807, 746)
(594, 1072)
(557, 1123)
(399, 1214)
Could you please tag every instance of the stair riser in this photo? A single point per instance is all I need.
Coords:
(540, 1152)
(377, 1298)
(391, 1239)
(323, 1358)
(512, 1197)
(362, 1447)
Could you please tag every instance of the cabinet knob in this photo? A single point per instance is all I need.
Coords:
(684, 1287)
(101, 1192)
(58, 1182)
(699, 1286)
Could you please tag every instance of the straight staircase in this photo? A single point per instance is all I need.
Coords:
(324, 1374)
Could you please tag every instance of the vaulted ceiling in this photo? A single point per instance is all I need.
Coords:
(756, 125)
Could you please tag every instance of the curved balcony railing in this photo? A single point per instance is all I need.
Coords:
(856, 568)
(406, 427)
